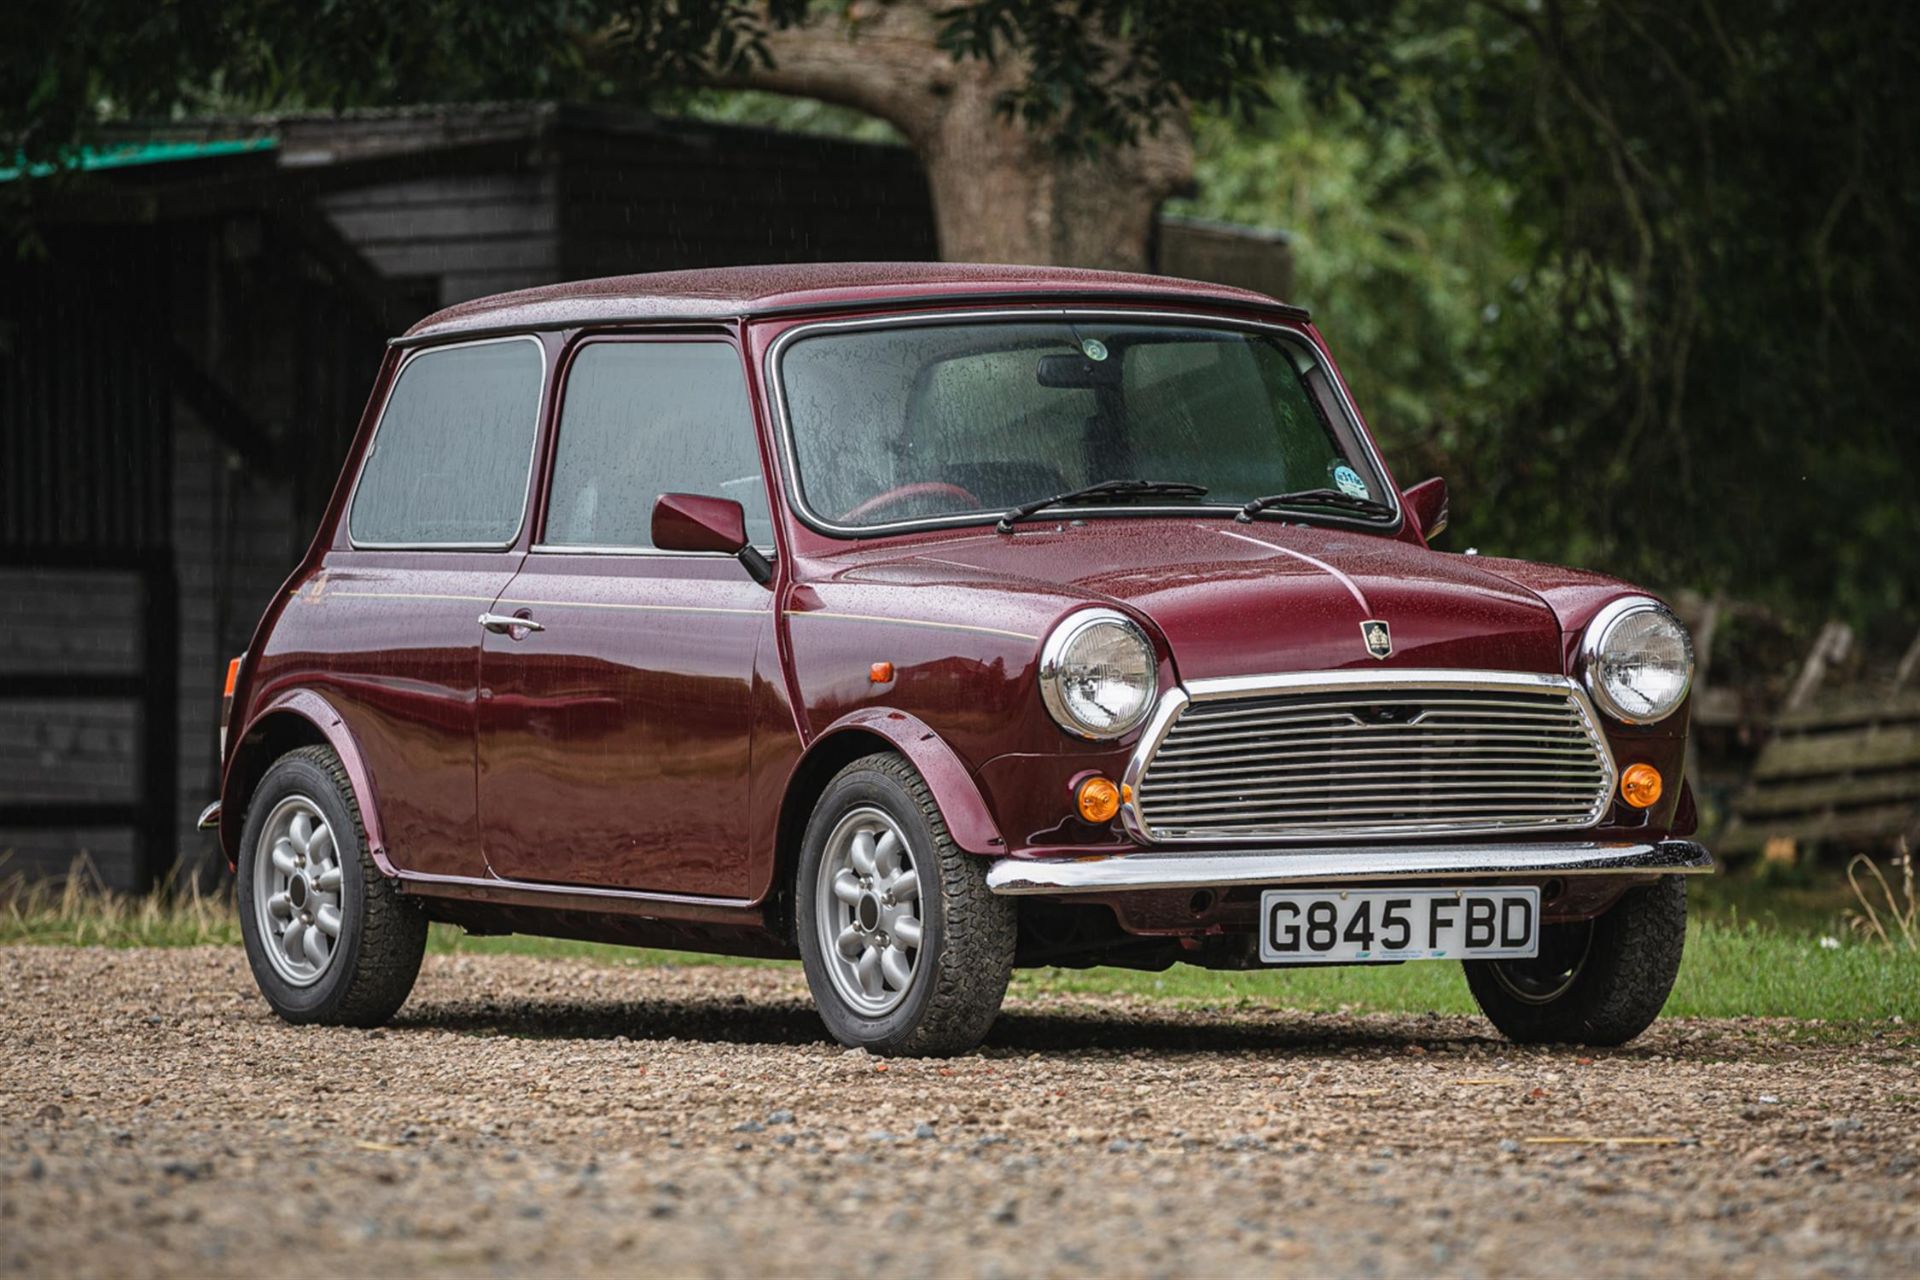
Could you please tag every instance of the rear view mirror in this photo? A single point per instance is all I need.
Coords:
(1427, 502)
(1077, 372)
(695, 522)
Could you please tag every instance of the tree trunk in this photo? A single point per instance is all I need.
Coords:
(1001, 192)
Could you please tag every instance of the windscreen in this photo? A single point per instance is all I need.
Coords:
(900, 423)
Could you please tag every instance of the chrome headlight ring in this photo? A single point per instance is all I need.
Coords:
(1098, 674)
(1630, 640)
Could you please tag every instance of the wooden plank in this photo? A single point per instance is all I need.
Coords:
(1874, 748)
(1909, 667)
(1876, 825)
(1852, 709)
(532, 188)
(1830, 648)
(437, 257)
(71, 621)
(407, 224)
(1823, 794)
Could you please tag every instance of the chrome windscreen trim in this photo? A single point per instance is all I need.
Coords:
(1145, 871)
(1177, 700)
(1293, 333)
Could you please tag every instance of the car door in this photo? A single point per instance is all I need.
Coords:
(615, 741)
(433, 534)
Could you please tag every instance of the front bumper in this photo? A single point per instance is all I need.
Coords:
(1530, 861)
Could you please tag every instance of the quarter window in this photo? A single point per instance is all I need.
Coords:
(449, 461)
(646, 418)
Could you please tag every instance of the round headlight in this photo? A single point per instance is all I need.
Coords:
(1097, 674)
(1638, 661)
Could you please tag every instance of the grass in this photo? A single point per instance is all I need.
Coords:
(1731, 970)
(1736, 965)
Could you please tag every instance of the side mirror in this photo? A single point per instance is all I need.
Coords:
(1427, 502)
(695, 522)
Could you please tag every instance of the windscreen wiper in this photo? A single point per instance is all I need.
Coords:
(1104, 491)
(1313, 498)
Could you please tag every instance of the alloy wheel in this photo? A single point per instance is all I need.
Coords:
(297, 891)
(867, 912)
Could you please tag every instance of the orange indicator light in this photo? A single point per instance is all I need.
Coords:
(233, 674)
(1097, 799)
(880, 672)
(1640, 785)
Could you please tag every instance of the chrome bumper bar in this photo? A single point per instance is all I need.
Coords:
(1129, 871)
(209, 817)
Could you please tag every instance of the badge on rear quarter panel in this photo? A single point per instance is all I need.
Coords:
(1378, 636)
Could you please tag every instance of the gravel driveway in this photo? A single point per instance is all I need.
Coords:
(565, 1118)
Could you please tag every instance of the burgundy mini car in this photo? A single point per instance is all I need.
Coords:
(928, 621)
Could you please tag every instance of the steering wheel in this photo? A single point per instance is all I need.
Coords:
(916, 489)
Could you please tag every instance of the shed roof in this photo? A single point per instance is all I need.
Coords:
(724, 293)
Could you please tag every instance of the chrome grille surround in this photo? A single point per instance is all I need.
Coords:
(1290, 757)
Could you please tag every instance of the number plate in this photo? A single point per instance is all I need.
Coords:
(1333, 926)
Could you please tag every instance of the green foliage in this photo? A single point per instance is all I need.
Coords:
(775, 111)
(1721, 312)
(1637, 275)
(1402, 249)
(1101, 70)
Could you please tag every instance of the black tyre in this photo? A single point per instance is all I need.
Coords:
(906, 950)
(1597, 982)
(329, 938)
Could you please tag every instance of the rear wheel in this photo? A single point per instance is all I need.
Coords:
(905, 949)
(1600, 982)
(330, 940)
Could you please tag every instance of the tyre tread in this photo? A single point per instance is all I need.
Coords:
(1624, 983)
(975, 961)
(393, 931)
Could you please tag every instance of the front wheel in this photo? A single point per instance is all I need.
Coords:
(330, 939)
(905, 949)
(1599, 982)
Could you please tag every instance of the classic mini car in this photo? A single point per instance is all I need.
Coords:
(926, 621)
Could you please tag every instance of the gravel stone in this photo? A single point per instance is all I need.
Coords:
(557, 1117)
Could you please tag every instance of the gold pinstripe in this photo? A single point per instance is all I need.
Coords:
(909, 622)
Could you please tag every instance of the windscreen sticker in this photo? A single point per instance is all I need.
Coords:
(1349, 482)
(1096, 350)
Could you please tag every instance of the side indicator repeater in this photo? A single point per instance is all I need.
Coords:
(880, 673)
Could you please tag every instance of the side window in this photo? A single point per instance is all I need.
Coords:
(645, 418)
(451, 455)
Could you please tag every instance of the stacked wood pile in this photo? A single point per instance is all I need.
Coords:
(1842, 765)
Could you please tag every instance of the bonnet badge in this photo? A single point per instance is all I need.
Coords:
(1379, 639)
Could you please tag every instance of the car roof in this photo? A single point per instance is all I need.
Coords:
(730, 293)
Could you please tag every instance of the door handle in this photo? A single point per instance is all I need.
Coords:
(502, 625)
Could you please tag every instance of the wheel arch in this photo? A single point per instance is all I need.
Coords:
(863, 733)
(293, 720)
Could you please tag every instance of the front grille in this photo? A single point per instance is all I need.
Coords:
(1491, 753)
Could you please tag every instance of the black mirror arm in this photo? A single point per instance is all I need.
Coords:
(758, 567)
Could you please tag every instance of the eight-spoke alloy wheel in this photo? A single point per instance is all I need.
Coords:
(329, 938)
(296, 890)
(905, 949)
(867, 914)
